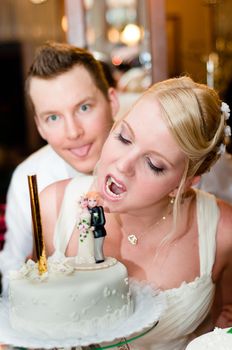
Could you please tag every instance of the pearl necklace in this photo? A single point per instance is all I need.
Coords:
(133, 239)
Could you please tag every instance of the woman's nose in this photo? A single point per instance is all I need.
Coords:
(73, 128)
(126, 165)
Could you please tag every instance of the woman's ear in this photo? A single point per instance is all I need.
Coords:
(173, 193)
(189, 183)
(192, 182)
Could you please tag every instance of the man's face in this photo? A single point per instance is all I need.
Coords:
(73, 116)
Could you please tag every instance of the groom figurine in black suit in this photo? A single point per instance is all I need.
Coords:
(97, 222)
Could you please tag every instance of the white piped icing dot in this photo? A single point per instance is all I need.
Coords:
(109, 309)
(73, 296)
(126, 280)
(106, 292)
(74, 316)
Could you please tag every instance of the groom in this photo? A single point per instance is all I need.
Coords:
(97, 222)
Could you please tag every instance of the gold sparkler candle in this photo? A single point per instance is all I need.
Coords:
(37, 225)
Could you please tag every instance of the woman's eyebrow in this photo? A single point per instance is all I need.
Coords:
(129, 127)
(156, 153)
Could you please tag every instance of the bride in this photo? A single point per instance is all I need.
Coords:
(172, 135)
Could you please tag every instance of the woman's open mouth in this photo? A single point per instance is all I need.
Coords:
(114, 188)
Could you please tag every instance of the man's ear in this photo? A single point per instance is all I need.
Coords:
(114, 101)
(40, 130)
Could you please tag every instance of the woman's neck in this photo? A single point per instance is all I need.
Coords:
(145, 219)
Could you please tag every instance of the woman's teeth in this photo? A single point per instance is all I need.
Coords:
(113, 188)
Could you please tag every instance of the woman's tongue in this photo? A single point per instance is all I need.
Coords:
(115, 189)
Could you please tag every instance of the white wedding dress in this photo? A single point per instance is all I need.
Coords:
(187, 306)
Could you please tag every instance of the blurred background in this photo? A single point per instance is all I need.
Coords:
(142, 41)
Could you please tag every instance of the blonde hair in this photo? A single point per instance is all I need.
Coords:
(193, 114)
(93, 195)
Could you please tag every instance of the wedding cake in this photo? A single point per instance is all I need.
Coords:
(219, 339)
(67, 301)
(62, 297)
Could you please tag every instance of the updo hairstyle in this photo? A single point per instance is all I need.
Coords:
(193, 114)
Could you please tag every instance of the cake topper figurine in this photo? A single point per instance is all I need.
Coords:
(91, 228)
(37, 226)
(97, 222)
(86, 239)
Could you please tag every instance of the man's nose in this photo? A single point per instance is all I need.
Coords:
(73, 128)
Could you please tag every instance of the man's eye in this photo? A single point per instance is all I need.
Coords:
(53, 117)
(84, 107)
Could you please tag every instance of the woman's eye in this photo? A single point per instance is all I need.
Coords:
(122, 139)
(154, 168)
(53, 117)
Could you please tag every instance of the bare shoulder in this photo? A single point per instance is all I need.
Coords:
(51, 198)
(54, 188)
(50, 202)
(222, 270)
(225, 221)
(224, 233)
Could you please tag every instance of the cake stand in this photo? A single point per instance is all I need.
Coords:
(149, 306)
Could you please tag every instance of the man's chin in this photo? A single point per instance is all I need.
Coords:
(84, 168)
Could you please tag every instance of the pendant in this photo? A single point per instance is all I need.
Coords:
(132, 239)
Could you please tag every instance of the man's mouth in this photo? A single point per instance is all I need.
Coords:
(81, 151)
(114, 188)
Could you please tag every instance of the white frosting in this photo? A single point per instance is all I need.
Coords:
(67, 298)
(29, 270)
(149, 306)
(219, 339)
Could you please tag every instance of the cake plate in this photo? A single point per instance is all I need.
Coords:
(149, 306)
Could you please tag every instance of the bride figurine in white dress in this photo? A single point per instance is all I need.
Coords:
(85, 254)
